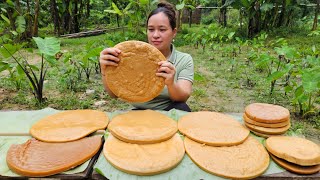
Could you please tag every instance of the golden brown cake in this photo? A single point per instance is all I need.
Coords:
(243, 161)
(296, 150)
(296, 168)
(212, 128)
(38, 159)
(267, 113)
(69, 125)
(264, 135)
(144, 159)
(271, 131)
(134, 79)
(267, 125)
(143, 127)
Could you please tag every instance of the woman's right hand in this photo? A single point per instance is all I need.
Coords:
(109, 57)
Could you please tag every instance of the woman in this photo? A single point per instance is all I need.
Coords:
(177, 70)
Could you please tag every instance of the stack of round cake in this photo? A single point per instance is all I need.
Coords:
(220, 145)
(266, 120)
(143, 143)
(295, 154)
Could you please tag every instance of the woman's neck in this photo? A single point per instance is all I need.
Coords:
(167, 53)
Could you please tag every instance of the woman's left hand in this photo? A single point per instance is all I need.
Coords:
(166, 70)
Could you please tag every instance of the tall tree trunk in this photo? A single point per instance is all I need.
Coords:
(55, 16)
(29, 21)
(36, 17)
(88, 8)
(283, 12)
(223, 14)
(275, 15)
(289, 17)
(81, 18)
(315, 20)
(75, 22)
(190, 17)
(179, 14)
(254, 21)
(66, 18)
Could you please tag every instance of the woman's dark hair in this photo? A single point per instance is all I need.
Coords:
(168, 10)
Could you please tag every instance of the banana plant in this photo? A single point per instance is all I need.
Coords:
(122, 13)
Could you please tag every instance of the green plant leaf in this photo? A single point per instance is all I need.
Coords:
(94, 52)
(7, 50)
(33, 67)
(276, 75)
(110, 11)
(10, 3)
(286, 51)
(263, 60)
(20, 24)
(288, 89)
(298, 92)
(19, 70)
(266, 7)
(116, 9)
(311, 79)
(144, 2)
(313, 48)
(50, 59)
(5, 18)
(14, 33)
(4, 66)
(230, 35)
(4, 10)
(48, 46)
(180, 6)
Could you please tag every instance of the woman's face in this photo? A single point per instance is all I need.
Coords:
(160, 33)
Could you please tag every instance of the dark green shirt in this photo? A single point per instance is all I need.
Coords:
(183, 63)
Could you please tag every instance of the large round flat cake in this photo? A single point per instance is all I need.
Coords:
(244, 161)
(294, 149)
(267, 113)
(69, 125)
(37, 159)
(143, 127)
(144, 159)
(212, 128)
(134, 79)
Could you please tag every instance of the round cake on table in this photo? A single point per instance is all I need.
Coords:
(244, 161)
(142, 127)
(69, 125)
(144, 159)
(134, 79)
(294, 149)
(266, 120)
(212, 128)
(38, 159)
